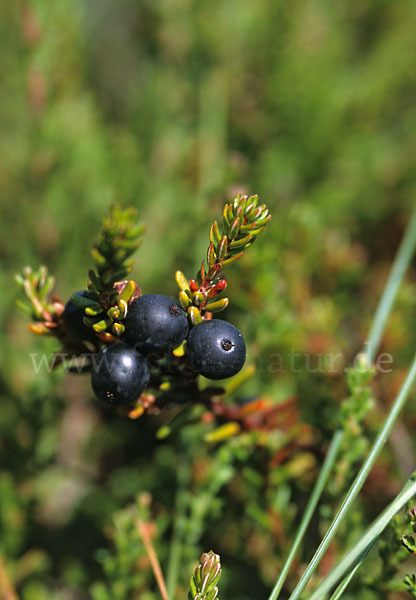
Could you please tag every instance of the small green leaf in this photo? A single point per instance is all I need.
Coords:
(239, 212)
(163, 432)
(193, 587)
(127, 292)
(216, 232)
(123, 306)
(194, 315)
(180, 350)
(93, 312)
(222, 247)
(94, 295)
(256, 232)
(181, 281)
(46, 288)
(231, 260)
(240, 243)
(24, 307)
(108, 276)
(211, 256)
(234, 228)
(254, 214)
(98, 258)
(19, 279)
(218, 305)
(254, 225)
(120, 255)
(211, 235)
(89, 321)
(248, 227)
(230, 213)
(84, 302)
(123, 271)
(225, 221)
(202, 272)
(94, 280)
(251, 204)
(198, 298)
(114, 312)
(408, 542)
(184, 299)
(102, 325)
(243, 203)
(118, 329)
(225, 215)
(135, 232)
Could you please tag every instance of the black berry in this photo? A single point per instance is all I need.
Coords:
(74, 325)
(216, 349)
(155, 323)
(119, 374)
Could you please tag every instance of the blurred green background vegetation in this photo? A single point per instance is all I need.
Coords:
(172, 106)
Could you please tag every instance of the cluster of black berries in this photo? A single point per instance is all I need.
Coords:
(156, 324)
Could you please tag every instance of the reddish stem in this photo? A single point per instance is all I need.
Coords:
(6, 587)
(144, 530)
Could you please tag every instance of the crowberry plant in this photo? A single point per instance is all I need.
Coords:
(147, 351)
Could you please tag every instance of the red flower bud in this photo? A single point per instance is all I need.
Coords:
(221, 285)
(217, 289)
(193, 285)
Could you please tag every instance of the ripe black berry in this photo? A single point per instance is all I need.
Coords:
(155, 323)
(72, 317)
(216, 349)
(119, 374)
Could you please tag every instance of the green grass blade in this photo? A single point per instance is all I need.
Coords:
(356, 555)
(313, 501)
(400, 264)
(176, 546)
(360, 479)
(399, 267)
(344, 584)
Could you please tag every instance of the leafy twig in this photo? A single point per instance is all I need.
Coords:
(109, 292)
(353, 410)
(43, 311)
(203, 583)
(120, 237)
(242, 221)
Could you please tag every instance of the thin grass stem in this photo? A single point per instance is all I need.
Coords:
(144, 530)
(355, 556)
(376, 448)
(175, 553)
(310, 508)
(344, 584)
(399, 267)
